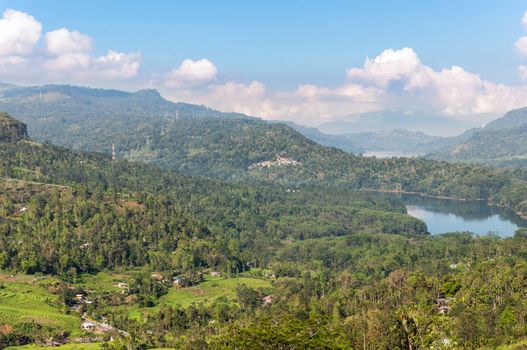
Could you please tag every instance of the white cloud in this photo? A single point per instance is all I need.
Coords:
(19, 32)
(390, 65)
(192, 72)
(118, 65)
(394, 80)
(63, 56)
(63, 42)
(521, 45)
(522, 72)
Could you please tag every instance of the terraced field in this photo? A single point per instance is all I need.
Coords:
(23, 300)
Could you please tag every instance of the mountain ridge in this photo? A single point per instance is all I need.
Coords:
(502, 142)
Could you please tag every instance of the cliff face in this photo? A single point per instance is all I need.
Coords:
(11, 130)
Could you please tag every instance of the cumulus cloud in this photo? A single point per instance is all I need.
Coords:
(62, 56)
(390, 65)
(19, 32)
(192, 72)
(521, 45)
(63, 41)
(393, 80)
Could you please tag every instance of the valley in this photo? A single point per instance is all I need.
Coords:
(235, 175)
(160, 254)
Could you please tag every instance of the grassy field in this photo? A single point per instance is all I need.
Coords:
(206, 292)
(71, 346)
(103, 281)
(25, 299)
(211, 289)
(517, 346)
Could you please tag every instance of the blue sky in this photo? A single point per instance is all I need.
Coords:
(283, 45)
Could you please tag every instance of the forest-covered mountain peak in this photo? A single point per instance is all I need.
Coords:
(11, 130)
(148, 93)
(512, 119)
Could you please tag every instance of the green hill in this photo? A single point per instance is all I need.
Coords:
(502, 142)
(199, 141)
(139, 214)
(317, 258)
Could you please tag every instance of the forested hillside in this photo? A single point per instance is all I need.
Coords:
(91, 119)
(145, 213)
(303, 267)
(502, 142)
(200, 141)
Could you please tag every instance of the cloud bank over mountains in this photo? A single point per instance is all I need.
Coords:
(396, 79)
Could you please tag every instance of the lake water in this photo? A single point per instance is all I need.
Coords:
(445, 215)
(389, 154)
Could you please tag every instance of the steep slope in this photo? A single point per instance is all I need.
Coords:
(257, 152)
(502, 142)
(235, 147)
(513, 119)
(11, 130)
(91, 119)
(139, 214)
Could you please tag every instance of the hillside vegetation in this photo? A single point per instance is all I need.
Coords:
(502, 142)
(331, 268)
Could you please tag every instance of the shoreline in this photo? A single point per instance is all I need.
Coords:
(489, 201)
(425, 195)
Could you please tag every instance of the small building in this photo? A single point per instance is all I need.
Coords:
(79, 297)
(178, 281)
(158, 276)
(268, 299)
(88, 326)
(122, 285)
(215, 274)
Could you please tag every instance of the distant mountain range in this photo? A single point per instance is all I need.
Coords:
(145, 126)
(502, 142)
(390, 142)
(433, 124)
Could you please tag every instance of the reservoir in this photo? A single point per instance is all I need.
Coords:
(446, 215)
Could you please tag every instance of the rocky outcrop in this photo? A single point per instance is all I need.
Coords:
(12, 130)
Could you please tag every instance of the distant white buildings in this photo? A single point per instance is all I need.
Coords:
(280, 161)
